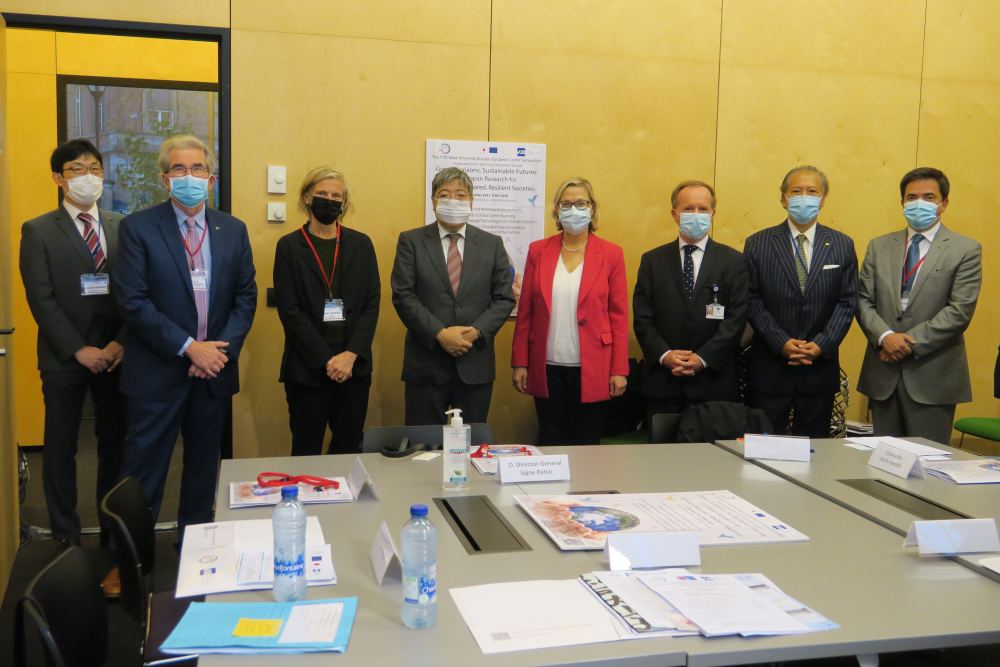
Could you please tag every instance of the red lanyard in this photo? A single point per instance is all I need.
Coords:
(336, 252)
(196, 250)
(281, 479)
(914, 269)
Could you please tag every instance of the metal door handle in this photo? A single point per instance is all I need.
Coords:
(3, 352)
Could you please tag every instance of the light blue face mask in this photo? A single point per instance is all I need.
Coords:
(921, 214)
(695, 225)
(189, 191)
(803, 209)
(575, 220)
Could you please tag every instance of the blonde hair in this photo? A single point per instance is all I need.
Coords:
(579, 183)
(314, 177)
(182, 142)
(691, 184)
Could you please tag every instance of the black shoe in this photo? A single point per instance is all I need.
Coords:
(68, 542)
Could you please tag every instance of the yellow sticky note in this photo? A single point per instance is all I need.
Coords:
(258, 627)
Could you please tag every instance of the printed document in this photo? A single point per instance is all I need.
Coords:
(978, 471)
(871, 443)
(488, 466)
(249, 494)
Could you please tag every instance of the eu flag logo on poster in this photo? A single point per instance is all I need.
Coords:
(493, 149)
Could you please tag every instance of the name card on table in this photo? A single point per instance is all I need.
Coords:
(384, 556)
(955, 536)
(359, 481)
(632, 551)
(896, 462)
(517, 469)
(777, 448)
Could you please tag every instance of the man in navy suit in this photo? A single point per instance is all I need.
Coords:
(803, 296)
(184, 283)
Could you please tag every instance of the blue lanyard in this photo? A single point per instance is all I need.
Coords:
(797, 253)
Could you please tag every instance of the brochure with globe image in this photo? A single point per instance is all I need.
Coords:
(577, 523)
(250, 494)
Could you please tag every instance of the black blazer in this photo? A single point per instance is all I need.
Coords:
(53, 257)
(779, 310)
(664, 319)
(300, 291)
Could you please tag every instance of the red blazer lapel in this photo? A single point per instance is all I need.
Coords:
(547, 267)
(593, 260)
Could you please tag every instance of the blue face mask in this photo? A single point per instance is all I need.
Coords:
(574, 220)
(695, 225)
(804, 208)
(189, 191)
(920, 214)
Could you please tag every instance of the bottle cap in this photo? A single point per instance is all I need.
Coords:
(418, 510)
(290, 491)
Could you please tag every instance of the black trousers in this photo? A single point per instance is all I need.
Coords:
(64, 394)
(563, 419)
(341, 405)
(426, 403)
(813, 412)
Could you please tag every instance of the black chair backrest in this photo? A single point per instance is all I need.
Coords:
(66, 603)
(131, 523)
(377, 437)
(664, 428)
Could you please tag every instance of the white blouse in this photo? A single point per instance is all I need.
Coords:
(563, 345)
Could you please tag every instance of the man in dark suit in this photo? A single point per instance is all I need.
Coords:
(803, 296)
(66, 256)
(690, 310)
(185, 287)
(451, 287)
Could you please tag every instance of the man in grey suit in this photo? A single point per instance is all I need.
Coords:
(919, 289)
(451, 286)
(66, 256)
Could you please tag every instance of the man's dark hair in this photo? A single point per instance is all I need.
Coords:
(925, 174)
(70, 151)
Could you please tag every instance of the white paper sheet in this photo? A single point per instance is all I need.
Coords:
(489, 466)
(655, 610)
(978, 471)
(899, 443)
(255, 566)
(312, 623)
(249, 494)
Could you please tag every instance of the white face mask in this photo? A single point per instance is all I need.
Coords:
(453, 211)
(85, 189)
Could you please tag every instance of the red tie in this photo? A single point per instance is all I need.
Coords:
(454, 263)
(200, 296)
(93, 241)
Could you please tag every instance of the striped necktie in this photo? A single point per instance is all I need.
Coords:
(800, 266)
(454, 263)
(93, 241)
(200, 296)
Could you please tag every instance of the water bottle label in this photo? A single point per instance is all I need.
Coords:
(421, 590)
(290, 568)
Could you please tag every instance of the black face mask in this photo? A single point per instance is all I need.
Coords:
(326, 211)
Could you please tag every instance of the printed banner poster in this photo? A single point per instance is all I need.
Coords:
(509, 193)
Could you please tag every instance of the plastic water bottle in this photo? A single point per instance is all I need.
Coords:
(419, 545)
(289, 525)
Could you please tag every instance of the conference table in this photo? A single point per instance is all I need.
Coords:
(851, 570)
(842, 475)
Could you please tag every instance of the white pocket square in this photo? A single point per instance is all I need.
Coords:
(831, 266)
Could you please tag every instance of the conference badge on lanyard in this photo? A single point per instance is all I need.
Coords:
(715, 311)
(94, 284)
(333, 309)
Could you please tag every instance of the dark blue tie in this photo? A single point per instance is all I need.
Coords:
(689, 270)
(912, 259)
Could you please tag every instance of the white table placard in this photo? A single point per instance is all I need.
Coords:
(517, 469)
(777, 448)
(633, 551)
(359, 480)
(951, 537)
(385, 558)
(896, 462)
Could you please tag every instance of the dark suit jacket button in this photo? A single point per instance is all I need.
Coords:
(582, 322)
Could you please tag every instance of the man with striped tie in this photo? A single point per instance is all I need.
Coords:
(451, 287)
(185, 286)
(919, 289)
(66, 256)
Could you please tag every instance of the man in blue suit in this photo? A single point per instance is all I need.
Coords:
(803, 296)
(184, 283)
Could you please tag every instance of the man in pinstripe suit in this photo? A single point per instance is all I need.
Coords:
(803, 296)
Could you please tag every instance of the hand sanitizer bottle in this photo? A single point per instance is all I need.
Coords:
(456, 453)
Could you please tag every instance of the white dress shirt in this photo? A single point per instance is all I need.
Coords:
(696, 258)
(925, 245)
(74, 214)
(563, 345)
(807, 254)
(446, 242)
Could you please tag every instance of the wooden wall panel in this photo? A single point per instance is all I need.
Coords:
(184, 12)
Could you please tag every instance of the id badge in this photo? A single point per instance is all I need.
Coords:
(904, 302)
(94, 284)
(199, 280)
(333, 310)
(714, 311)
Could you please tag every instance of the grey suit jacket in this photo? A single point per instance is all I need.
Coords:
(425, 302)
(941, 306)
(53, 257)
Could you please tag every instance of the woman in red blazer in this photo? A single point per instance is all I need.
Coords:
(571, 339)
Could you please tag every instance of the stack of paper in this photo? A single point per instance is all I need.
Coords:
(859, 428)
(923, 451)
(488, 466)
(263, 627)
(250, 494)
(978, 471)
(639, 611)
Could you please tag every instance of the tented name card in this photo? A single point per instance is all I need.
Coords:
(517, 469)
(777, 448)
(359, 481)
(955, 536)
(633, 551)
(385, 558)
(896, 462)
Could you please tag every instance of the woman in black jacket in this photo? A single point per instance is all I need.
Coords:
(327, 289)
